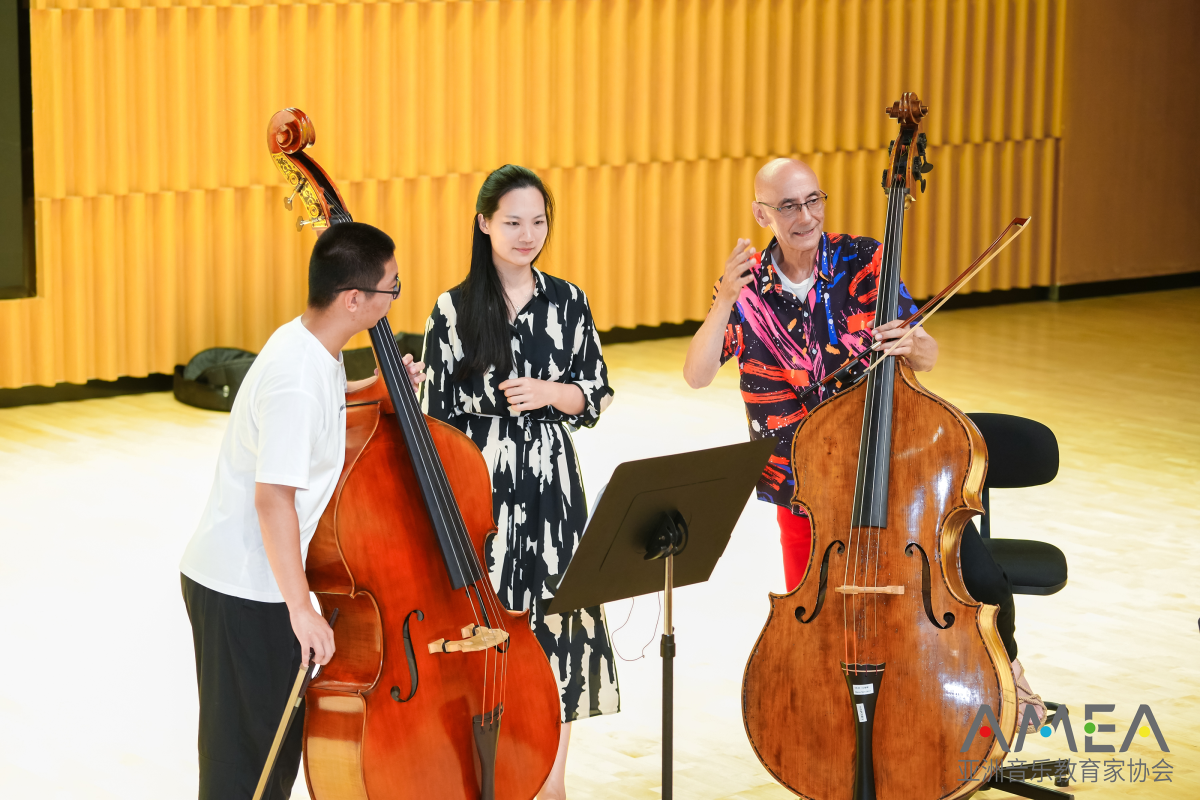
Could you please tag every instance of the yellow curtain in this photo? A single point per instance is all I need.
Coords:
(161, 229)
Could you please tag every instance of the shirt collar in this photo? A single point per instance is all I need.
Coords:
(768, 276)
(547, 288)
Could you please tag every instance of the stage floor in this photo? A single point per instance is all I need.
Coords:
(98, 498)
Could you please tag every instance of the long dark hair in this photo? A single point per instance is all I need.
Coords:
(483, 311)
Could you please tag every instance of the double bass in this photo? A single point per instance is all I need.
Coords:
(435, 690)
(866, 678)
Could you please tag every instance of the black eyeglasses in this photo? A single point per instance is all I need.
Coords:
(789, 210)
(394, 291)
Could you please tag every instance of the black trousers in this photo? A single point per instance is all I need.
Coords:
(988, 583)
(246, 663)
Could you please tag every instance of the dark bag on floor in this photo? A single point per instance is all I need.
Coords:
(211, 379)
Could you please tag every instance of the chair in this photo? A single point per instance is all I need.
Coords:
(1021, 453)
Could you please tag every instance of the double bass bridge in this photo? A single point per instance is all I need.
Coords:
(869, 589)
(475, 638)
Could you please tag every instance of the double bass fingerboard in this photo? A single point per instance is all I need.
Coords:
(875, 447)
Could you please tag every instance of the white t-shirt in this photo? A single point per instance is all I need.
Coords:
(288, 427)
(799, 290)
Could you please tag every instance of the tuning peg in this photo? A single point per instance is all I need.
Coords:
(926, 167)
(890, 145)
(921, 141)
(884, 183)
(922, 185)
(287, 203)
(301, 222)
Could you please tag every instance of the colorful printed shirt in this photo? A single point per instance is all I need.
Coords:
(783, 344)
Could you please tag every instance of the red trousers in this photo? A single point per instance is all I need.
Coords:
(795, 535)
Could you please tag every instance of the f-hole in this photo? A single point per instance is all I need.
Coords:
(925, 586)
(821, 586)
(412, 659)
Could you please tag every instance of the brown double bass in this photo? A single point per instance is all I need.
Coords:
(436, 690)
(867, 677)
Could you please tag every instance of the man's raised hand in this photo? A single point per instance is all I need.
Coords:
(737, 272)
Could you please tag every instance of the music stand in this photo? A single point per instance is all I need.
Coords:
(683, 507)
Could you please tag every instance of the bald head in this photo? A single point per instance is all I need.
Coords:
(776, 177)
(784, 191)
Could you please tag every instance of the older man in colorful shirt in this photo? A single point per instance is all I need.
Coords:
(791, 315)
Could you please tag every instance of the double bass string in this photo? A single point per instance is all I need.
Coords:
(424, 444)
(463, 553)
(870, 407)
(893, 302)
(428, 454)
(422, 441)
(892, 245)
(887, 299)
(854, 543)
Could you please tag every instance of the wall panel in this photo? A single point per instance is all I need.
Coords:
(1131, 164)
(161, 227)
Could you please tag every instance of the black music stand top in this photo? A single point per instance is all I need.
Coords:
(705, 489)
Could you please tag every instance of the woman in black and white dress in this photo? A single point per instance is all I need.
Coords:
(513, 361)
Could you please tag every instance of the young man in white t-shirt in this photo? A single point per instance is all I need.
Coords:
(243, 571)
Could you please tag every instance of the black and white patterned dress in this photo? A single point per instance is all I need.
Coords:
(537, 489)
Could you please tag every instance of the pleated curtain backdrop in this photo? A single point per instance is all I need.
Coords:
(160, 218)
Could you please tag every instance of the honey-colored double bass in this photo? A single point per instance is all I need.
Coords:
(866, 679)
(436, 690)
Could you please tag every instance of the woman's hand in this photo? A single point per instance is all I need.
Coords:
(920, 351)
(530, 394)
(416, 372)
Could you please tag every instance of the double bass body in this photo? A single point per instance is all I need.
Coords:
(799, 712)
(387, 718)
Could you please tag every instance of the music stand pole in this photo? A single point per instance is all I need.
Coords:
(667, 650)
(667, 542)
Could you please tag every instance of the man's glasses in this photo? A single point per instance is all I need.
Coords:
(789, 210)
(394, 291)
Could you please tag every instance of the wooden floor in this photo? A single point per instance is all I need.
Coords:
(97, 499)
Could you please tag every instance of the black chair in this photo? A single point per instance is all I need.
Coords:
(1021, 453)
